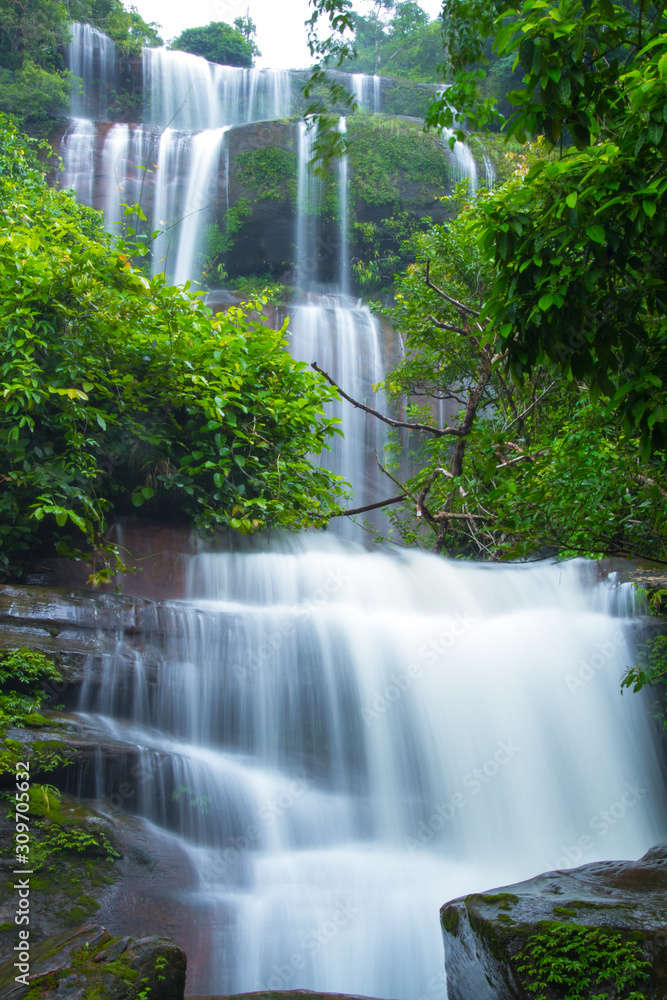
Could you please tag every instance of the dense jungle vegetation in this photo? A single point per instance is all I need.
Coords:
(539, 311)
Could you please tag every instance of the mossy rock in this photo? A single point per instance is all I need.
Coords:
(609, 917)
(88, 964)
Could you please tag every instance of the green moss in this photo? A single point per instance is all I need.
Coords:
(121, 971)
(564, 911)
(7, 925)
(505, 918)
(450, 921)
(85, 907)
(503, 900)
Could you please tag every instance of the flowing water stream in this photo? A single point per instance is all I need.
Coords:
(337, 740)
(341, 740)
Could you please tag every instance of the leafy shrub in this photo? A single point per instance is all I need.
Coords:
(117, 391)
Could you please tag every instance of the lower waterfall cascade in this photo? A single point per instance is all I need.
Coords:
(338, 741)
(335, 740)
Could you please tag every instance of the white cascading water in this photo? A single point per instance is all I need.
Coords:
(336, 741)
(462, 162)
(186, 92)
(91, 58)
(366, 90)
(200, 199)
(342, 336)
(339, 741)
(343, 209)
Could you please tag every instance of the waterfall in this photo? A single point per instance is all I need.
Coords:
(346, 341)
(462, 161)
(340, 740)
(490, 172)
(343, 214)
(91, 58)
(78, 154)
(187, 92)
(335, 741)
(366, 90)
(308, 191)
(200, 198)
(377, 94)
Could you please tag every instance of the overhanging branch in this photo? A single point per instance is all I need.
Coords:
(436, 431)
(370, 506)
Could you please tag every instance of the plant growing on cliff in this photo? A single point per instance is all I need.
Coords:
(117, 391)
(570, 962)
(219, 43)
(23, 673)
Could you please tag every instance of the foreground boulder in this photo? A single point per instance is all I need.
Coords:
(90, 963)
(601, 927)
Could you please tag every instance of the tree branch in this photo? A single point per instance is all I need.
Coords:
(465, 310)
(437, 431)
(446, 326)
(369, 506)
(531, 407)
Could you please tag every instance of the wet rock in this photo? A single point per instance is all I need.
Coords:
(485, 933)
(89, 962)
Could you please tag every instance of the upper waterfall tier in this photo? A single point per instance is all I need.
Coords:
(91, 58)
(170, 88)
(187, 92)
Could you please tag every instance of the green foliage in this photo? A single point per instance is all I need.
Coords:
(650, 670)
(23, 673)
(380, 249)
(122, 24)
(219, 43)
(403, 42)
(32, 30)
(33, 82)
(271, 173)
(569, 962)
(33, 92)
(546, 470)
(388, 155)
(579, 245)
(119, 392)
(72, 839)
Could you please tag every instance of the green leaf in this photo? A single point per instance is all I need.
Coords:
(596, 233)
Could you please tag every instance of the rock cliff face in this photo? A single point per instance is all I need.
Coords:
(499, 944)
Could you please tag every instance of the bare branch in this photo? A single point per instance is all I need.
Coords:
(531, 407)
(437, 431)
(446, 326)
(522, 458)
(465, 310)
(369, 506)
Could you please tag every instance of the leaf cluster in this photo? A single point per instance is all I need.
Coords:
(570, 961)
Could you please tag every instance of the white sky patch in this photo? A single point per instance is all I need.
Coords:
(281, 35)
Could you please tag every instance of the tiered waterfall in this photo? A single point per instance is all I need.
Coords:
(335, 739)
